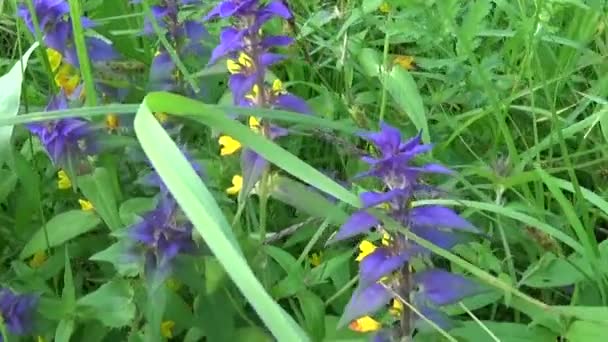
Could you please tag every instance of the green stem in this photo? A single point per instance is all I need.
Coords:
(82, 53)
(385, 66)
(263, 194)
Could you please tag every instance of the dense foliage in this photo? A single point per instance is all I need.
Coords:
(293, 170)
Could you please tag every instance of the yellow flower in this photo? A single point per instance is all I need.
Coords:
(277, 86)
(254, 124)
(166, 329)
(236, 66)
(173, 284)
(67, 78)
(315, 259)
(237, 185)
(397, 307)
(63, 181)
(406, 62)
(385, 7)
(161, 117)
(228, 145)
(386, 239)
(366, 248)
(112, 121)
(365, 324)
(86, 205)
(38, 259)
(254, 93)
(54, 58)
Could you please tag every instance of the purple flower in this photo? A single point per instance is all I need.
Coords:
(65, 140)
(163, 234)
(17, 311)
(56, 27)
(248, 55)
(385, 267)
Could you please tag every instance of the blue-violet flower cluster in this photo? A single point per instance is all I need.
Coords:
(17, 311)
(65, 140)
(385, 271)
(55, 24)
(184, 36)
(249, 54)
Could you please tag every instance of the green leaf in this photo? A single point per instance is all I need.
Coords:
(68, 295)
(133, 208)
(597, 314)
(505, 332)
(251, 334)
(586, 331)
(294, 278)
(402, 87)
(61, 229)
(551, 271)
(64, 330)
(115, 255)
(10, 95)
(97, 188)
(371, 61)
(305, 198)
(313, 311)
(368, 6)
(111, 304)
(200, 207)
(8, 181)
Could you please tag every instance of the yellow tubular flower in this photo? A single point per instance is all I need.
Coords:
(254, 124)
(386, 239)
(85, 205)
(54, 58)
(38, 259)
(365, 324)
(397, 307)
(315, 259)
(406, 62)
(228, 145)
(166, 329)
(277, 86)
(254, 93)
(67, 78)
(63, 181)
(237, 185)
(112, 121)
(366, 248)
(161, 117)
(173, 284)
(233, 66)
(385, 7)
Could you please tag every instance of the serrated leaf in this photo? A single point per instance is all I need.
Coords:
(61, 229)
(10, 95)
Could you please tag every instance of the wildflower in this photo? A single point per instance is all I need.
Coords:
(184, 36)
(163, 234)
(66, 139)
(67, 78)
(406, 62)
(229, 145)
(316, 259)
(173, 284)
(112, 122)
(365, 324)
(237, 185)
(17, 311)
(56, 26)
(38, 259)
(430, 288)
(63, 180)
(54, 58)
(166, 329)
(385, 7)
(85, 205)
(249, 54)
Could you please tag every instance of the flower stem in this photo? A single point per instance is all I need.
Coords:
(263, 193)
